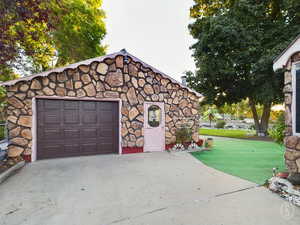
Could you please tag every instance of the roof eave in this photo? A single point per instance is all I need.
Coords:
(281, 61)
(98, 59)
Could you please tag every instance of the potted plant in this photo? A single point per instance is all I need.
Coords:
(183, 136)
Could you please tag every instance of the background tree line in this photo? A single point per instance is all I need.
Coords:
(36, 35)
(236, 43)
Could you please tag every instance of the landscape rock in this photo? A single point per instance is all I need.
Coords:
(80, 93)
(119, 61)
(86, 78)
(61, 77)
(132, 69)
(48, 91)
(14, 151)
(15, 132)
(114, 79)
(24, 87)
(148, 89)
(291, 141)
(84, 68)
(133, 112)
(90, 90)
(60, 91)
(35, 84)
(131, 96)
(71, 94)
(25, 121)
(140, 142)
(294, 178)
(26, 133)
(15, 102)
(19, 141)
(12, 119)
(111, 94)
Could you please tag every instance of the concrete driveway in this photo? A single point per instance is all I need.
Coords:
(136, 189)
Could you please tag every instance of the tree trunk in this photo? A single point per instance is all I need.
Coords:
(261, 124)
(255, 116)
(264, 121)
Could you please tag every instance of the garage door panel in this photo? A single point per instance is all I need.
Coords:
(105, 148)
(89, 133)
(106, 106)
(48, 150)
(71, 104)
(106, 134)
(71, 133)
(71, 117)
(89, 106)
(50, 133)
(74, 128)
(107, 116)
(48, 105)
(70, 147)
(89, 147)
(89, 117)
(52, 117)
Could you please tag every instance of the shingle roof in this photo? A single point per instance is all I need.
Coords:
(98, 59)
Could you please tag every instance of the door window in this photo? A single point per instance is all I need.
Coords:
(154, 116)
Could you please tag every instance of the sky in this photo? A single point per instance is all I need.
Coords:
(154, 31)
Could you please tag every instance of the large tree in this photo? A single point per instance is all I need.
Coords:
(36, 35)
(237, 41)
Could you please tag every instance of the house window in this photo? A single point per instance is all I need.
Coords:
(296, 107)
(154, 116)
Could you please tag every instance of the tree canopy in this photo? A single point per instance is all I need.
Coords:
(237, 41)
(36, 35)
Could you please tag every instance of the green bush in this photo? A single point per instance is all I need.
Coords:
(277, 131)
(183, 135)
(2, 132)
(220, 124)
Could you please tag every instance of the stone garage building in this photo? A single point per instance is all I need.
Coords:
(110, 104)
(289, 60)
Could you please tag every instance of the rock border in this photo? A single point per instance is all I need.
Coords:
(11, 171)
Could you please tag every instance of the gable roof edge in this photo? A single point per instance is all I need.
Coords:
(281, 60)
(98, 59)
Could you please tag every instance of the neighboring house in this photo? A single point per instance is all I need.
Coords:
(110, 104)
(289, 60)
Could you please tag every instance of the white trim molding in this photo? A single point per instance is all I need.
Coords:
(282, 60)
(34, 118)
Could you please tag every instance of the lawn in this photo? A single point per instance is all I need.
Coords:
(250, 160)
(227, 133)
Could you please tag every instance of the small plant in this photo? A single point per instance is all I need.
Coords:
(183, 135)
(277, 131)
(220, 124)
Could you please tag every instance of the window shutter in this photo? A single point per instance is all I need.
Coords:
(297, 102)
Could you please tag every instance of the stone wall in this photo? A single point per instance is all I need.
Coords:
(112, 78)
(292, 143)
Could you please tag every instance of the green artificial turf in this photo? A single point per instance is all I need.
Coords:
(250, 160)
(226, 133)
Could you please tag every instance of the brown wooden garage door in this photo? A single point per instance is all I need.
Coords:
(76, 128)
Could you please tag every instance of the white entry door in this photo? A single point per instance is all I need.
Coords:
(154, 126)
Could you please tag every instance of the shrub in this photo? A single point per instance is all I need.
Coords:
(252, 127)
(277, 131)
(220, 124)
(183, 135)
